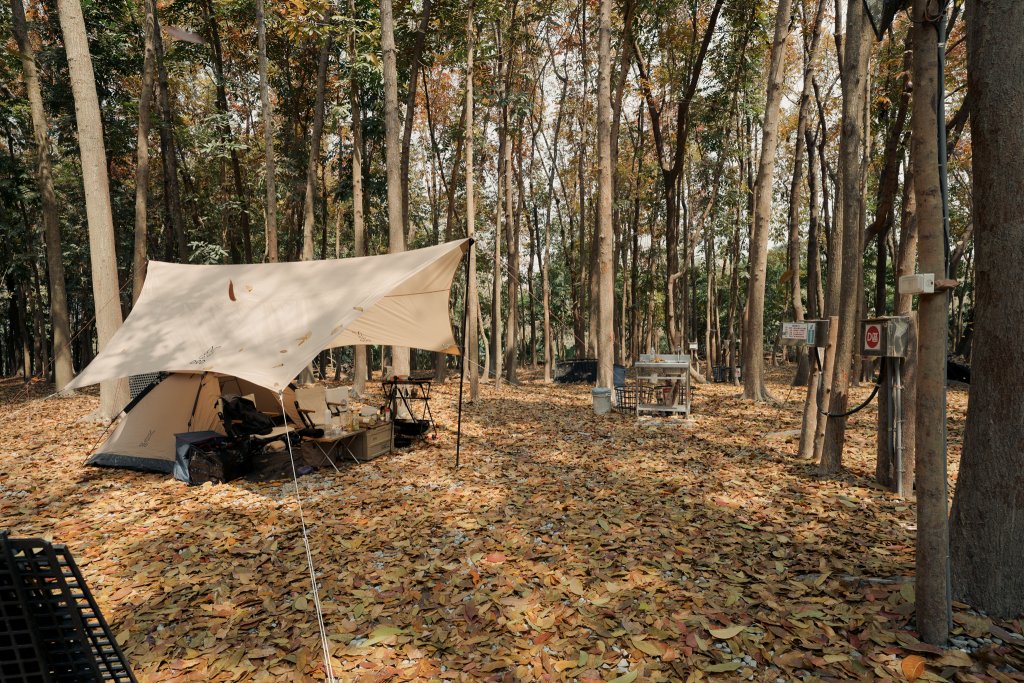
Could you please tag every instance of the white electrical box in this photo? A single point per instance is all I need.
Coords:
(922, 283)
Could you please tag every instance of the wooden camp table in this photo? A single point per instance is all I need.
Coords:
(332, 440)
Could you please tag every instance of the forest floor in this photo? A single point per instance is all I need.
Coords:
(566, 547)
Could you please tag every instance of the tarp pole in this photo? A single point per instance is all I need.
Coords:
(462, 356)
(192, 415)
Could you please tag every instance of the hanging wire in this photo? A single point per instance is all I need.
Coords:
(328, 669)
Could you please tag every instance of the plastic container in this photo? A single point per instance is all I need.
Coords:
(602, 397)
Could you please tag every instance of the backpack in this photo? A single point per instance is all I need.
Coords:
(241, 417)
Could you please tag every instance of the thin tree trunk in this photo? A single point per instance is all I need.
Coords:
(63, 367)
(308, 210)
(410, 111)
(851, 155)
(393, 158)
(102, 249)
(225, 130)
(605, 257)
(359, 362)
(139, 256)
(268, 138)
(471, 344)
(753, 336)
(168, 153)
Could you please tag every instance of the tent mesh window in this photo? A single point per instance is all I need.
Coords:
(138, 383)
(53, 628)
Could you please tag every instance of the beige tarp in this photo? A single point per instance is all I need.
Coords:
(182, 402)
(265, 322)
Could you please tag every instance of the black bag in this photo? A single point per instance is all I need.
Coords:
(242, 418)
(214, 460)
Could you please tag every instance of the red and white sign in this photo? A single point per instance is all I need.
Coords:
(872, 336)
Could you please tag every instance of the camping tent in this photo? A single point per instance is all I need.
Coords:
(174, 404)
(264, 322)
(250, 329)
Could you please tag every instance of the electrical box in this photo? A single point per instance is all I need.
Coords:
(806, 333)
(885, 337)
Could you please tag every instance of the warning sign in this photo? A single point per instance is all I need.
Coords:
(872, 337)
(794, 332)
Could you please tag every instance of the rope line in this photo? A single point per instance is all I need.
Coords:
(309, 555)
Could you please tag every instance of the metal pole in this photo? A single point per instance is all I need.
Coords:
(462, 356)
(897, 403)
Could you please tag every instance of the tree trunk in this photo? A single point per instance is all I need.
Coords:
(851, 153)
(932, 588)
(605, 260)
(308, 210)
(139, 256)
(64, 370)
(102, 245)
(988, 520)
(471, 347)
(496, 355)
(268, 139)
(511, 361)
(753, 336)
(225, 130)
(169, 154)
(393, 158)
(410, 111)
(359, 363)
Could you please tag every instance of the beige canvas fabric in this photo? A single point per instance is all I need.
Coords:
(183, 402)
(314, 398)
(263, 323)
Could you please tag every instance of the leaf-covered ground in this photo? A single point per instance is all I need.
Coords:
(566, 547)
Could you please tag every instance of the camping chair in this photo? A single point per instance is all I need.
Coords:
(311, 402)
(244, 422)
(337, 400)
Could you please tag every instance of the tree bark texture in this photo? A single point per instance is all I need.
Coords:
(851, 160)
(359, 362)
(753, 337)
(268, 139)
(139, 255)
(308, 210)
(393, 157)
(932, 587)
(988, 510)
(102, 249)
(472, 343)
(605, 260)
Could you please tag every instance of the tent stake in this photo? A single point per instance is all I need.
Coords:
(462, 356)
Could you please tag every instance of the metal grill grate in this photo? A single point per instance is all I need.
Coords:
(53, 627)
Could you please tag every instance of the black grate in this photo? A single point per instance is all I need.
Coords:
(53, 628)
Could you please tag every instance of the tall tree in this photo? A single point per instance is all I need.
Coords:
(268, 138)
(672, 165)
(606, 264)
(988, 509)
(472, 358)
(846, 276)
(62, 364)
(308, 211)
(175, 220)
(221, 88)
(102, 250)
(359, 364)
(410, 109)
(393, 161)
(753, 337)
(139, 253)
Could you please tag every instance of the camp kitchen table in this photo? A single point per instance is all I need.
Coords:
(669, 376)
(337, 439)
